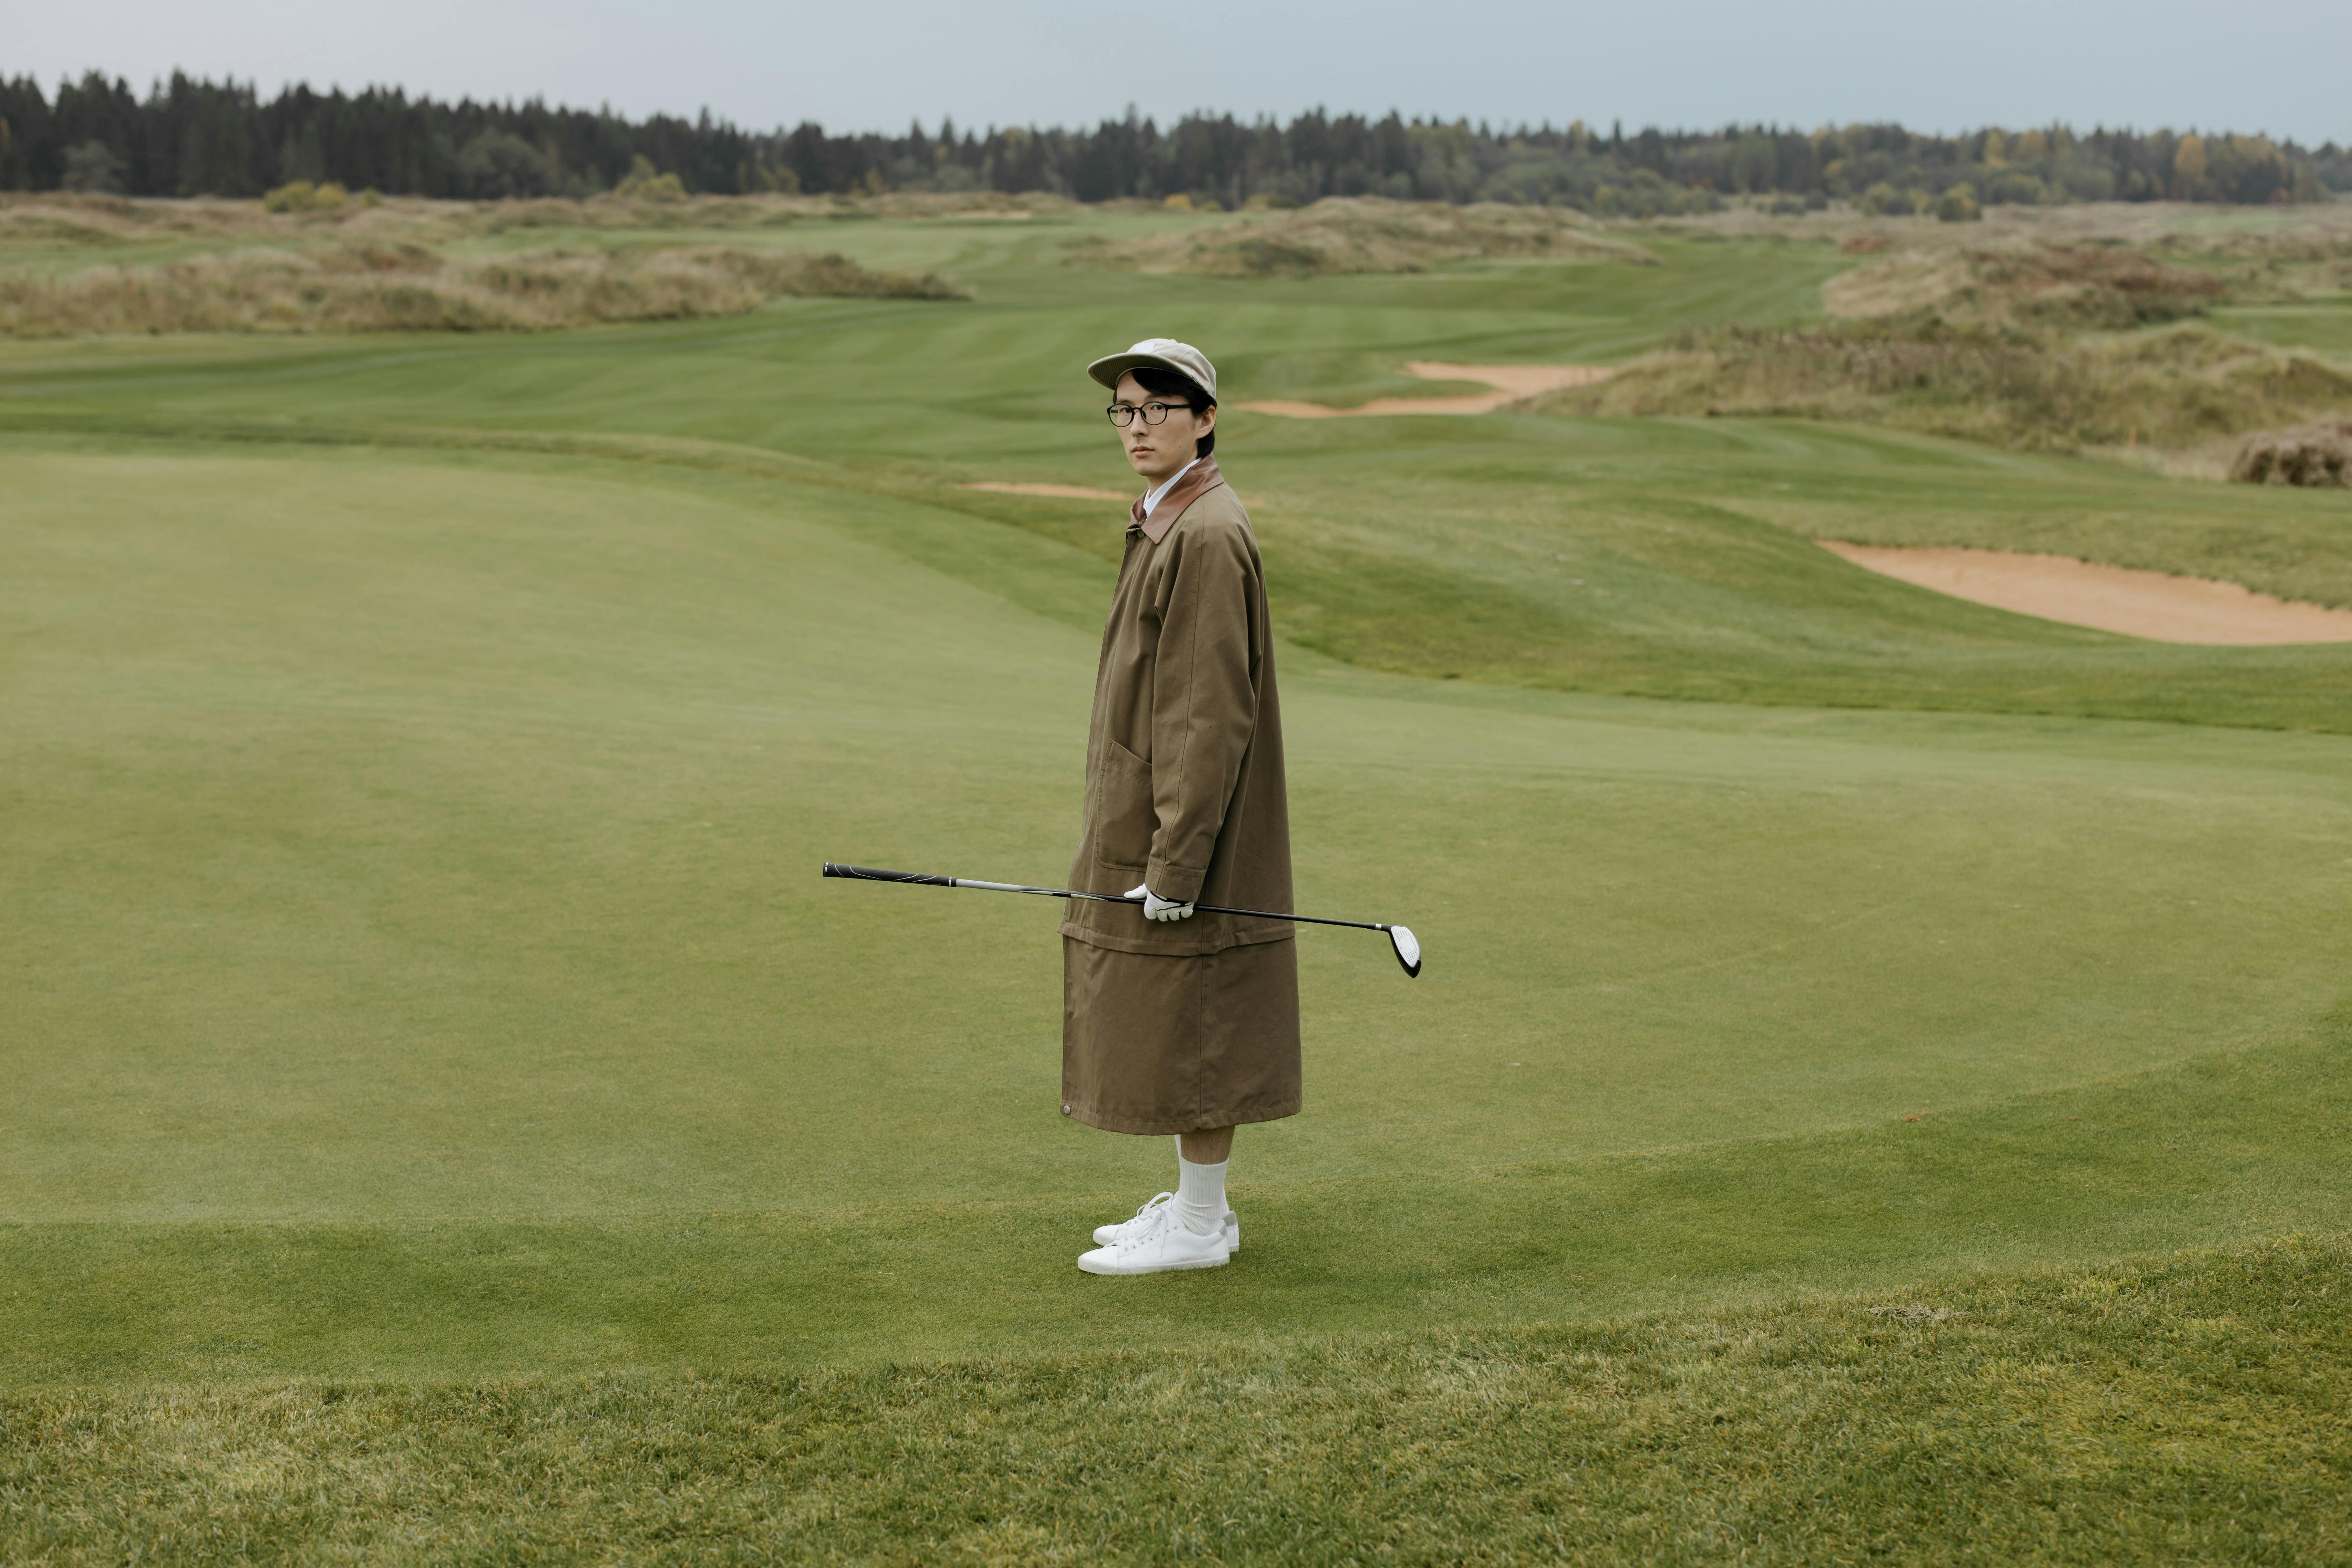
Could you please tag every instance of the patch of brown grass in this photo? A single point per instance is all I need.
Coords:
(359, 286)
(1341, 234)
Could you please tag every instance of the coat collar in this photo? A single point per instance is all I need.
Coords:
(1200, 477)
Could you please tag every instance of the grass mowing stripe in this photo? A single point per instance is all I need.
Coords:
(2186, 1409)
(2216, 1150)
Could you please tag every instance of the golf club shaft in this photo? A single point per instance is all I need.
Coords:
(869, 874)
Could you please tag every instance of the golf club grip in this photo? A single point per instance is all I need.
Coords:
(868, 874)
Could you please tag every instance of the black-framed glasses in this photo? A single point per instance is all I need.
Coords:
(1123, 414)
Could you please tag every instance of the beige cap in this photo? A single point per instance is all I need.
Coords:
(1165, 353)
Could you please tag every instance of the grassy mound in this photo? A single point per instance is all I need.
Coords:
(363, 287)
(2175, 388)
(64, 219)
(2044, 284)
(1343, 235)
(2182, 1410)
(699, 212)
(2299, 263)
(2042, 347)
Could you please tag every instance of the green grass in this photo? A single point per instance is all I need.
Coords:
(414, 758)
(2185, 1410)
(2322, 325)
(410, 854)
(1665, 558)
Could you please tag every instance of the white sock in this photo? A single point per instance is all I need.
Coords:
(1201, 1195)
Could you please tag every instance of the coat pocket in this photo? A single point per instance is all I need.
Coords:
(1124, 819)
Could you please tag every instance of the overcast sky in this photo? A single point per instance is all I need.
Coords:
(2279, 65)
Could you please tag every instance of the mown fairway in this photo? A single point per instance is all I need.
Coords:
(416, 756)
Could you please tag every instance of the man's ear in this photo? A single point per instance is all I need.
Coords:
(1208, 418)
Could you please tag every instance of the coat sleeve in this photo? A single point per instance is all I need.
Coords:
(1204, 705)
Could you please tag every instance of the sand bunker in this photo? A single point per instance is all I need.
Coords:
(1511, 382)
(1067, 492)
(2111, 598)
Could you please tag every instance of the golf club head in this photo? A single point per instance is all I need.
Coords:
(1408, 949)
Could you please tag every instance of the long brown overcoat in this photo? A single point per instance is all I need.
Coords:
(1193, 1023)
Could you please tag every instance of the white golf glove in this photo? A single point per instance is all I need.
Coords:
(1156, 908)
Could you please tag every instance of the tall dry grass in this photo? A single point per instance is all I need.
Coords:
(365, 288)
(708, 212)
(69, 218)
(2041, 285)
(1341, 234)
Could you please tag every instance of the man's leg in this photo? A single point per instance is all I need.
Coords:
(1201, 1160)
(1211, 1148)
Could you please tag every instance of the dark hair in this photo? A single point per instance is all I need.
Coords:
(1171, 384)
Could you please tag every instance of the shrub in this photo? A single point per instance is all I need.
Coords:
(1648, 195)
(1957, 205)
(641, 184)
(302, 196)
(93, 168)
(2015, 187)
(1885, 201)
(496, 167)
(2080, 179)
(1178, 202)
(2317, 456)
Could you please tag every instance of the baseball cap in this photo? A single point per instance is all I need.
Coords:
(1167, 353)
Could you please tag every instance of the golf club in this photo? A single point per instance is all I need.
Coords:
(1401, 937)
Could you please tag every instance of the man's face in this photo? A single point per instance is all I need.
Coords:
(1156, 451)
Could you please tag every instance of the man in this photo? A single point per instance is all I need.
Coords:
(1174, 1022)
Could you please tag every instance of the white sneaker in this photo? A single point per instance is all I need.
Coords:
(1108, 1234)
(1160, 1242)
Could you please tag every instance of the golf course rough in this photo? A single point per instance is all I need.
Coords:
(416, 757)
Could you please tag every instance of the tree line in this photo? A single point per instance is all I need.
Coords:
(188, 137)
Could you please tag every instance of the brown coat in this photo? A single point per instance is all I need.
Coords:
(1193, 1024)
(1184, 786)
